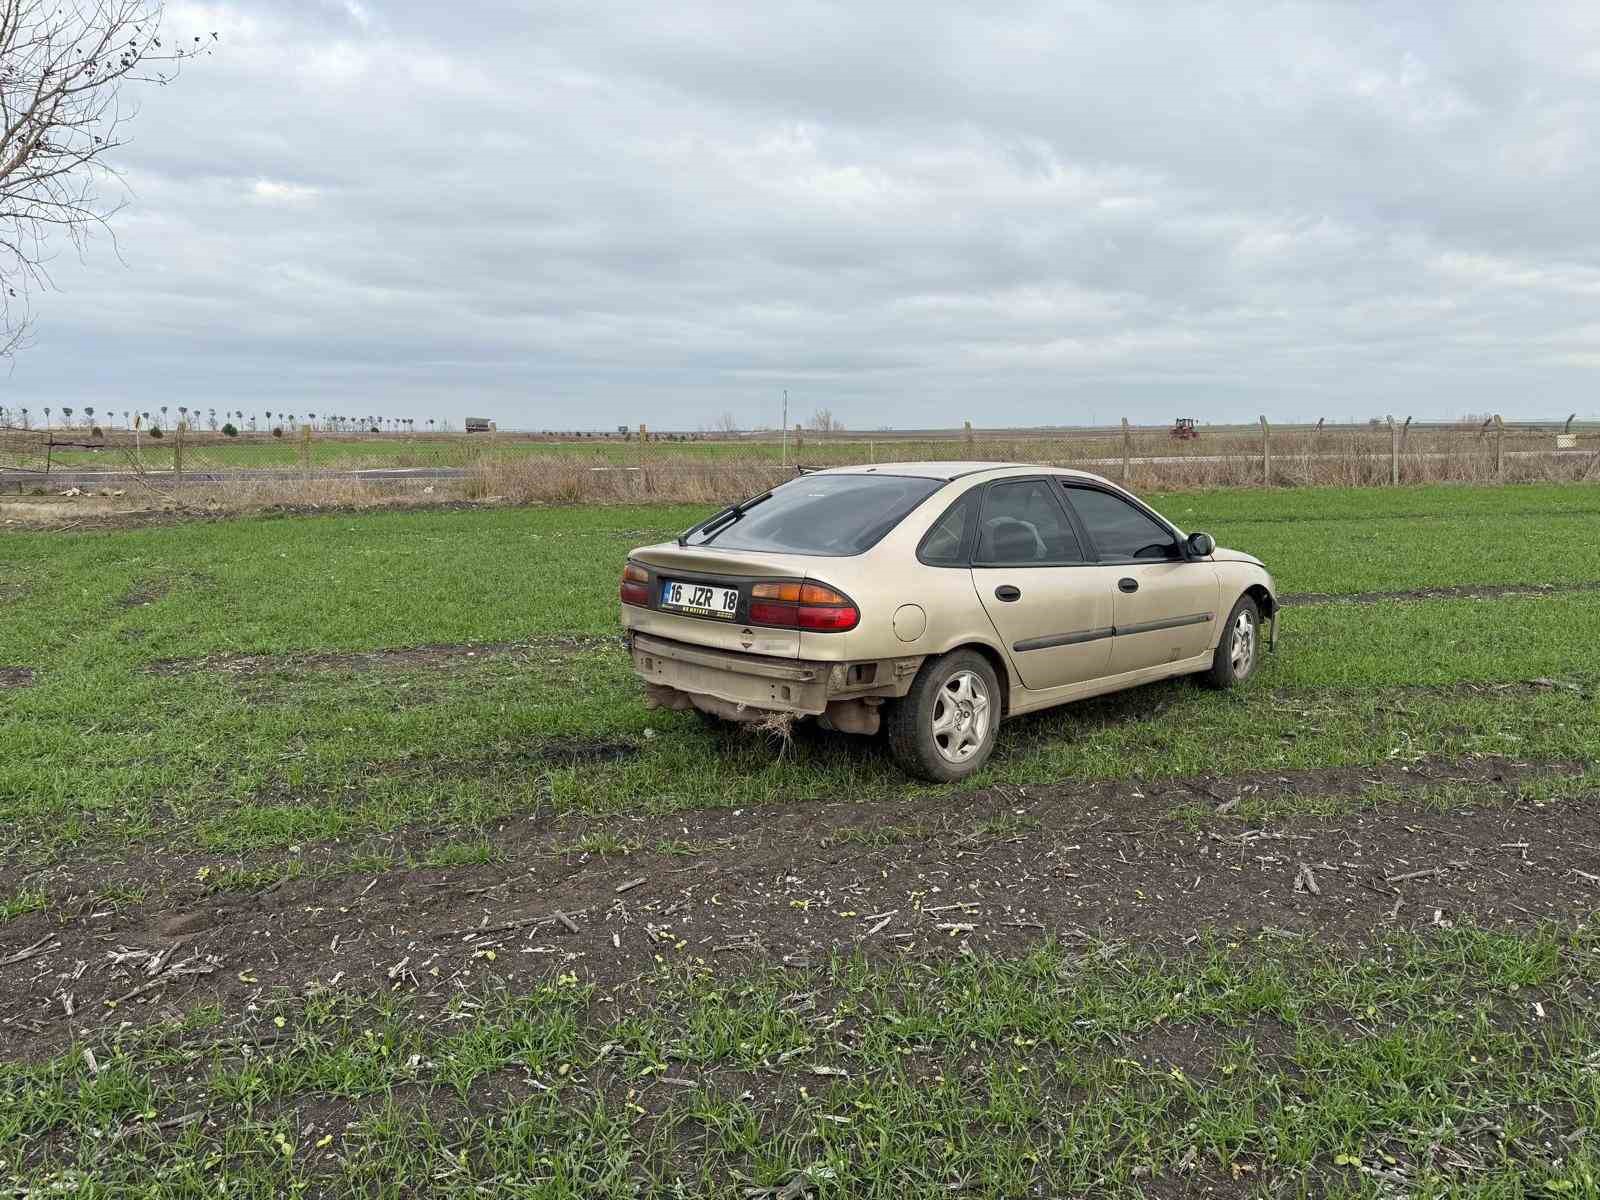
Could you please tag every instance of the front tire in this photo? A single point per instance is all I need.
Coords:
(1239, 648)
(944, 728)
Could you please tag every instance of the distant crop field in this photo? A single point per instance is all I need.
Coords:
(340, 855)
(1215, 455)
(204, 451)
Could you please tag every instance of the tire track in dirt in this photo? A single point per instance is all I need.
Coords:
(1497, 591)
(993, 872)
(174, 875)
(444, 655)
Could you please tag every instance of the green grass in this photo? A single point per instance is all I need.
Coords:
(20, 903)
(1464, 1063)
(315, 583)
(231, 765)
(1461, 1063)
(343, 583)
(397, 579)
(1441, 642)
(195, 760)
(1373, 539)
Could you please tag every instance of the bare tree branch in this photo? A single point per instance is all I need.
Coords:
(63, 66)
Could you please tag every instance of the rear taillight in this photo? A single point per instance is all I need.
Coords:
(829, 618)
(635, 585)
(810, 606)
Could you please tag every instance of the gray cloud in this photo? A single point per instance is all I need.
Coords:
(570, 214)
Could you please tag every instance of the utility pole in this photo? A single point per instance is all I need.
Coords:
(785, 428)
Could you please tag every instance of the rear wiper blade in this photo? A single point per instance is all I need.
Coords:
(683, 538)
(718, 524)
(709, 529)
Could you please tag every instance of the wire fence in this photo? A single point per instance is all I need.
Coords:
(310, 463)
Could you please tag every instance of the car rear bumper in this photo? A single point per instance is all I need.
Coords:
(749, 686)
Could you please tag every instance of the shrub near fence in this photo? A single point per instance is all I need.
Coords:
(309, 465)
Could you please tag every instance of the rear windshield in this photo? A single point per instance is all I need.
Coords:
(825, 515)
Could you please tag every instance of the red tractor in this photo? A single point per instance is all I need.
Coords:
(1183, 430)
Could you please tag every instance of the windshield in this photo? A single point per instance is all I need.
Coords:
(823, 514)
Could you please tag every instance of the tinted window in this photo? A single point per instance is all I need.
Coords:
(942, 545)
(824, 514)
(1119, 529)
(1023, 523)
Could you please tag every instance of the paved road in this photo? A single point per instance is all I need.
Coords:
(61, 480)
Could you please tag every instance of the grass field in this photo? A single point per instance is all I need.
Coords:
(339, 855)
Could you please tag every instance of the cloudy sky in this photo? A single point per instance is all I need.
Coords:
(580, 214)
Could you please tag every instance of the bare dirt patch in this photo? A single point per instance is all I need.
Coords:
(16, 677)
(1499, 591)
(93, 513)
(54, 512)
(147, 593)
(1506, 688)
(557, 751)
(995, 871)
(442, 656)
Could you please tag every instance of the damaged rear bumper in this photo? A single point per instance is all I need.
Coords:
(753, 687)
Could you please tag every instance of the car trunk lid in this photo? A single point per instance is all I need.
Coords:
(709, 566)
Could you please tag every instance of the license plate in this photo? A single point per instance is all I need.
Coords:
(701, 599)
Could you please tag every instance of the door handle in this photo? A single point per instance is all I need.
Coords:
(1127, 584)
(1007, 593)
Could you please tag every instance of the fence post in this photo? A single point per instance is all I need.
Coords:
(1499, 448)
(967, 439)
(1127, 449)
(644, 433)
(1266, 452)
(177, 453)
(305, 452)
(1394, 453)
(799, 440)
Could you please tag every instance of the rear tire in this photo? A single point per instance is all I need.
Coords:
(1239, 647)
(944, 728)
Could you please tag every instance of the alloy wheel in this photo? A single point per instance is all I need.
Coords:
(1242, 653)
(961, 715)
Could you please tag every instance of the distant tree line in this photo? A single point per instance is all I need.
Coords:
(67, 416)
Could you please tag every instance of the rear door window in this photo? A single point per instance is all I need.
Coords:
(834, 515)
(1119, 529)
(1024, 525)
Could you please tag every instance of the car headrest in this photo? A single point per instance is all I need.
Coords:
(1010, 540)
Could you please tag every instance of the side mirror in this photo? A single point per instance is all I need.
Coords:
(1201, 545)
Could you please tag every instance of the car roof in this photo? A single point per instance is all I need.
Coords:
(952, 470)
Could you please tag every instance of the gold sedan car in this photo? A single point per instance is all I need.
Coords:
(933, 600)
